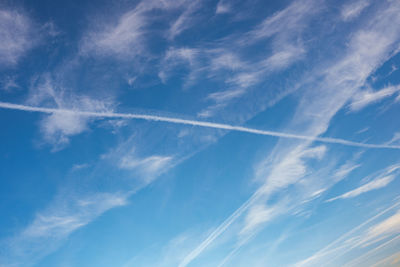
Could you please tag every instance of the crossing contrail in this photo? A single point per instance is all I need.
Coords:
(205, 124)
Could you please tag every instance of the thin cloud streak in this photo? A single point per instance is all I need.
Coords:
(219, 230)
(206, 124)
(330, 248)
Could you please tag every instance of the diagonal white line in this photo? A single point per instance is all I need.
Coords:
(206, 124)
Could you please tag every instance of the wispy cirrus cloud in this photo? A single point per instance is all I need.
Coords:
(373, 185)
(344, 170)
(185, 20)
(366, 97)
(60, 222)
(58, 128)
(16, 35)
(127, 34)
(285, 48)
(51, 226)
(284, 29)
(285, 23)
(9, 84)
(343, 78)
(222, 7)
(73, 208)
(148, 167)
(352, 10)
(124, 38)
(367, 232)
(389, 226)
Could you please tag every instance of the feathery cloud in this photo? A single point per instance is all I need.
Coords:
(368, 49)
(16, 35)
(354, 238)
(57, 128)
(50, 227)
(373, 185)
(367, 97)
(354, 9)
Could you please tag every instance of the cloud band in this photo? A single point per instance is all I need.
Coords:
(214, 125)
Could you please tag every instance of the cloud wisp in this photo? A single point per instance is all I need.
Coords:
(342, 244)
(373, 185)
(15, 35)
(5, 105)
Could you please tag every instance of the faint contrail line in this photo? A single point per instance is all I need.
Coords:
(219, 230)
(206, 124)
(342, 239)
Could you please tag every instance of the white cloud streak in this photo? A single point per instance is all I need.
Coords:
(206, 124)
(345, 170)
(185, 20)
(126, 37)
(373, 185)
(353, 10)
(366, 97)
(58, 127)
(341, 242)
(368, 49)
(367, 260)
(15, 35)
(73, 209)
(51, 226)
(219, 230)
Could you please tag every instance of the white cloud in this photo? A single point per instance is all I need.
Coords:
(395, 139)
(77, 167)
(222, 7)
(388, 227)
(73, 208)
(126, 36)
(185, 20)
(47, 230)
(9, 83)
(357, 237)
(373, 185)
(58, 223)
(123, 39)
(226, 60)
(284, 57)
(392, 260)
(345, 170)
(16, 35)
(367, 97)
(352, 10)
(285, 29)
(291, 168)
(287, 48)
(368, 49)
(259, 214)
(175, 56)
(148, 166)
(57, 128)
(287, 21)
(148, 117)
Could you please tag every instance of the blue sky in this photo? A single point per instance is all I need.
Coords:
(200, 133)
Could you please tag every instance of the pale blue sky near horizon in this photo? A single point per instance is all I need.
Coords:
(200, 133)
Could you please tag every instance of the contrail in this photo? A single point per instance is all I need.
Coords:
(206, 124)
(220, 229)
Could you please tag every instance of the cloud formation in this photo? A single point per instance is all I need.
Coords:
(373, 185)
(16, 35)
(57, 128)
(367, 97)
(94, 114)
